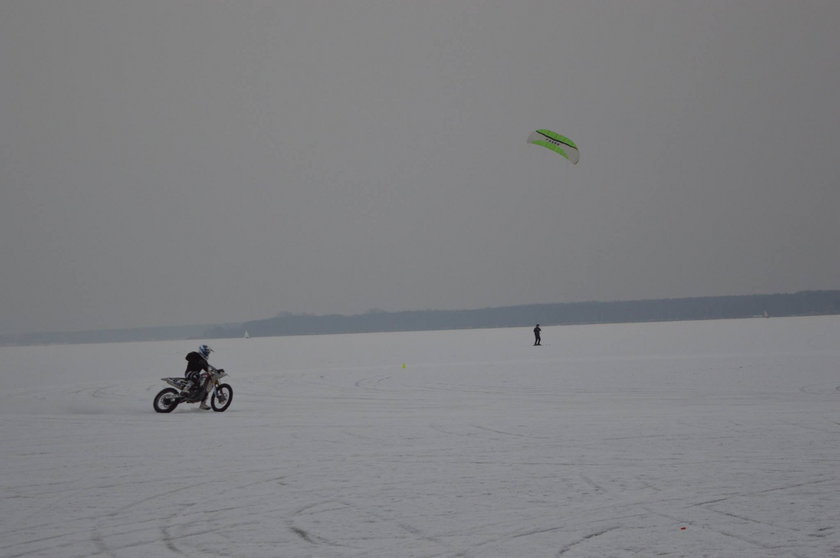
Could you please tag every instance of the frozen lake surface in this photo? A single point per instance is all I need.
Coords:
(718, 438)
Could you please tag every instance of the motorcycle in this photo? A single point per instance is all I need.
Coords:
(222, 394)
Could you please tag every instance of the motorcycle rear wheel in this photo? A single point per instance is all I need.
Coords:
(166, 400)
(222, 396)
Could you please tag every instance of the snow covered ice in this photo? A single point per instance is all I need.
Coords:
(717, 438)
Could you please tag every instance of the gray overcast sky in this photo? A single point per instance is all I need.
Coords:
(176, 162)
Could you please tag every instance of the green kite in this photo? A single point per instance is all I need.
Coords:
(557, 143)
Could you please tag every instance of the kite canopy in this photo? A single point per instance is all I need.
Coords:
(557, 143)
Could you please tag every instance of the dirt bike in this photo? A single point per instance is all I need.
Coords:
(168, 398)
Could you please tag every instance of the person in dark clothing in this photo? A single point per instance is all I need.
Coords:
(196, 364)
(537, 338)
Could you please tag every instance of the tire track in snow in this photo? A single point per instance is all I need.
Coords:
(584, 539)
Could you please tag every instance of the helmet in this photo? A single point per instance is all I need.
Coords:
(204, 350)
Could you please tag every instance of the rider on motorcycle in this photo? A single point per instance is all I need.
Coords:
(196, 364)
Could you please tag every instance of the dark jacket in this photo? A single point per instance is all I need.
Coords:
(195, 363)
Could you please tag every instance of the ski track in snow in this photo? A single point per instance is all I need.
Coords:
(686, 439)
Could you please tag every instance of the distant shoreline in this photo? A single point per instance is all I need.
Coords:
(805, 303)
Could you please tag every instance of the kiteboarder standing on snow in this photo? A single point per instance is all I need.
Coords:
(537, 339)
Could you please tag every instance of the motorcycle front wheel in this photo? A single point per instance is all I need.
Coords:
(166, 400)
(222, 396)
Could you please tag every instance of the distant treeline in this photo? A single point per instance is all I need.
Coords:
(701, 308)
(807, 303)
(107, 335)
